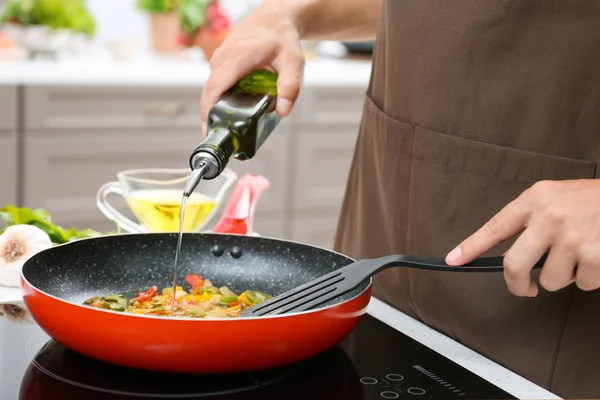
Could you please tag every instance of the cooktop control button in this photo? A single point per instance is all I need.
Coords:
(368, 381)
(416, 391)
(394, 377)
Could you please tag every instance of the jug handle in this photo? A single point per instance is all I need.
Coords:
(238, 216)
(111, 213)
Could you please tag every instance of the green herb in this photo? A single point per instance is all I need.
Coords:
(193, 15)
(40, 218)
(55, 14)
(158, 6)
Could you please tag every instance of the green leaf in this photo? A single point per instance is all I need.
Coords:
(40, 218)
(158, 6)
(56, 14)
(192, 14)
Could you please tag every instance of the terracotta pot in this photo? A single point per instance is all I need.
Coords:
(164, 31)
(208, 41)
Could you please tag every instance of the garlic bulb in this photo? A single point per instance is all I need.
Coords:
(18, 243)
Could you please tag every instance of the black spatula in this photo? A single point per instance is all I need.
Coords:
(334, 284)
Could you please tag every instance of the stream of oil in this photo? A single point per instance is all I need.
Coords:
(184, 199)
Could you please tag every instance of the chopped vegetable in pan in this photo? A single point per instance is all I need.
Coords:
(203, 300)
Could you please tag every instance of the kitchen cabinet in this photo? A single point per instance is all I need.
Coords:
(317, 228)
(329, 106)
(8, 108)
(85, 107)
(323, 156)
(8, 145)
(8, 168)
(76, 138)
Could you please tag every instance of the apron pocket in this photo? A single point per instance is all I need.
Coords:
(493, 161)
(457, 184)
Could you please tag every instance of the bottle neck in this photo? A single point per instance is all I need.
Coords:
(215, 151)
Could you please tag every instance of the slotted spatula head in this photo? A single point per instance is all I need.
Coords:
(336, 283)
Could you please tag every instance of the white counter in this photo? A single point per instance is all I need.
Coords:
(321, 72)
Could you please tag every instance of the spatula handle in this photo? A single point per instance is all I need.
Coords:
(370, 267)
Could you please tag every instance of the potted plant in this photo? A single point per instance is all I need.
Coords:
(204, 24)
(164, 23)
(47, 26)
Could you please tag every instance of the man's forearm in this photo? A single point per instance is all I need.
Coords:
(333, 19)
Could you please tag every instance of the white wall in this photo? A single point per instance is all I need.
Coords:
(119, 19)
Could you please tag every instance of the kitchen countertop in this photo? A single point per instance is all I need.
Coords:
(469, 359)
(157, 72)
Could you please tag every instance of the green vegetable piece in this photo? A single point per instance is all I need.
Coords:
(92, 300)
(230, 299)
(195, 313)
(209, 289)
(116, 307)
(257, 297)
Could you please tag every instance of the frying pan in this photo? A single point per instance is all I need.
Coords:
(56, 281)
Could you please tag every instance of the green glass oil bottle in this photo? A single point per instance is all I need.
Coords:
(238, 125)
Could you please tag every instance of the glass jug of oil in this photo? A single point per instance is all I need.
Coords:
(153, 196)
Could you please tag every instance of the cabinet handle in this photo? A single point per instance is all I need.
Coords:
(164, 109)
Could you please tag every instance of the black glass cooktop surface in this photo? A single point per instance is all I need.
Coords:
(374, 362)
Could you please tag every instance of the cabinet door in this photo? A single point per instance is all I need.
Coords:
(272, 162)
(272, 225)
(60, 107)
(8, 168)
(315, 229)
(332, 105)
(8, 107)
(64, 170)
(323, 157)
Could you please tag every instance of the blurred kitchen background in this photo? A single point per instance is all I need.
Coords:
(89, 88)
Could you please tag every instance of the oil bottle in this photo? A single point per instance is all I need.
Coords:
(238, 125)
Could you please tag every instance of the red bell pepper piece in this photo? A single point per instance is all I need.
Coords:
(195, 280)
(147, 295)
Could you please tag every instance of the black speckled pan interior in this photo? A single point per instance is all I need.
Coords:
(131, 263)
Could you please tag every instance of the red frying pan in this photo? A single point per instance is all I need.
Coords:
(57, 281)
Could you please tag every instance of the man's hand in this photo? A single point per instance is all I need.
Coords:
(562, 217)
(269, 38)
(265, 39)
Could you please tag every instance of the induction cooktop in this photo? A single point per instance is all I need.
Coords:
(374, 362)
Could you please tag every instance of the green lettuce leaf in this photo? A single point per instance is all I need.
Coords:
(40, 218)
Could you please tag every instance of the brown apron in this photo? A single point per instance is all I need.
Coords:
(470, 103)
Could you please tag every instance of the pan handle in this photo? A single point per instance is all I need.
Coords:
(370, 267)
